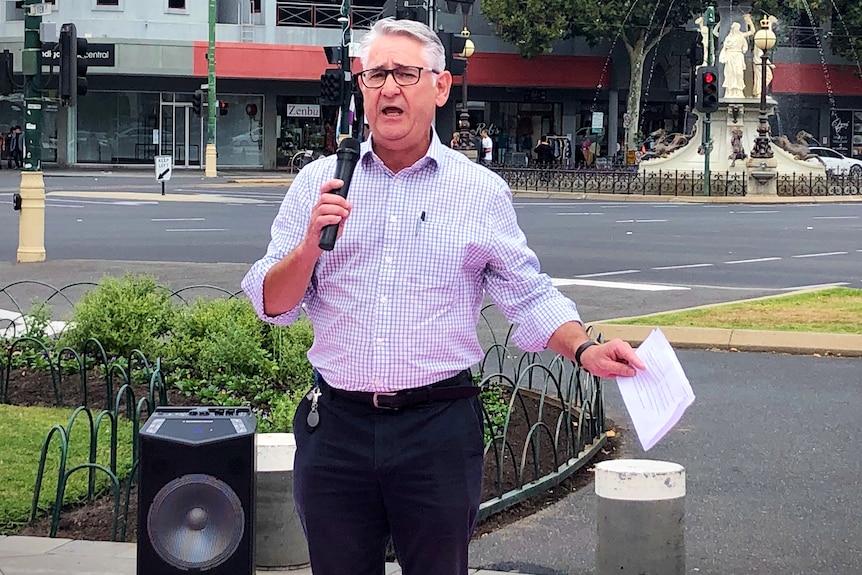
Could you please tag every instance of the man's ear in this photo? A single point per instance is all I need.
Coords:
(443, 85)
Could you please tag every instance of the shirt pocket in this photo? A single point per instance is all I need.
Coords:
(434, 266)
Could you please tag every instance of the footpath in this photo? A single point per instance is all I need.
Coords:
(772, 465)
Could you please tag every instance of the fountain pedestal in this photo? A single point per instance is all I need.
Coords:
(761, 173)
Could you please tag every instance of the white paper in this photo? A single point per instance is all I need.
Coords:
(656, 397)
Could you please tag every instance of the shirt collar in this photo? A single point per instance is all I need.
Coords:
(432, 158)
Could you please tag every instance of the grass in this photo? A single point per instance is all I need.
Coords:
(23, 431)
(832, 310)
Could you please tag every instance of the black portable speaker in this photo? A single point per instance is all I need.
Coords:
(196, 491)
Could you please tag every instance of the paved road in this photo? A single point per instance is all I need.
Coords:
(773, 474)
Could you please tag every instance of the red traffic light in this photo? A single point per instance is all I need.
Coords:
(709, 77)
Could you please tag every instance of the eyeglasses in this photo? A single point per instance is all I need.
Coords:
(403, 75)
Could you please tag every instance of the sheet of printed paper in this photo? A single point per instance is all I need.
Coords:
(656, 397)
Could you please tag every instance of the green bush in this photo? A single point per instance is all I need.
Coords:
(127, 313)
(219, 336)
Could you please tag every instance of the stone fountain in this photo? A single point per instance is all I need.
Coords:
(739, 130)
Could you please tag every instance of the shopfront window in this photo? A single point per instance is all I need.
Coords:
(304, 125)
(117, 127)
(240, 132)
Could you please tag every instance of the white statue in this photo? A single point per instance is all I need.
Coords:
(757, 64)
(704, 37)
(732, 55)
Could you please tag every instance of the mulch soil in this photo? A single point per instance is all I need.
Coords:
(93, 520)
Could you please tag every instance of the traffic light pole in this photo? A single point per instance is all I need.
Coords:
(31, 226)
(211, 154)
(707, 119)
(347, 90)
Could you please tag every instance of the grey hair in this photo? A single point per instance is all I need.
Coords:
(431, 46)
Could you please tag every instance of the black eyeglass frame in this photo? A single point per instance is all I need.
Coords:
(391, 72)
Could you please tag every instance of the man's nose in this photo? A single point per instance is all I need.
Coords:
(390, 86)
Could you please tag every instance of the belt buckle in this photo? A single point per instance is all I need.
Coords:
(377, 394)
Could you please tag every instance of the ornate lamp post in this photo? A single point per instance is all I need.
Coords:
(765, 40)
(464, 140)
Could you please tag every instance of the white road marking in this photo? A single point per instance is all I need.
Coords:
(816, 286)
(752, 261)
(580, 213)
(681, 267)
(756, 212)
(617, 285)
(610, 274)
(835, 217)
(177, 219)
(824, 254)
(130, 203)
(639, 221)
(195, 230)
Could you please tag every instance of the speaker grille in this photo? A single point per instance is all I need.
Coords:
(195, 522)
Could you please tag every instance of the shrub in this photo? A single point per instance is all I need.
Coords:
(219, 336)
(127, 313)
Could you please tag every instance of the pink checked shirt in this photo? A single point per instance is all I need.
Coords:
(396, 303)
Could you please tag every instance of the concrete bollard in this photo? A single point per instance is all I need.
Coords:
(279, 540)
(641, 517)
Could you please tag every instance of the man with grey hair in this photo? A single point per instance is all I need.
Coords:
(390, 439)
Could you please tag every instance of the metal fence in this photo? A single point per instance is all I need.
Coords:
(323, 15)
(544, 416)
(831, 184)
(621, 181)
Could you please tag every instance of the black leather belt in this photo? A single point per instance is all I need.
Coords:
(456, 387)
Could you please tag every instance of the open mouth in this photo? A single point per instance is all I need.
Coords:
(392, 111)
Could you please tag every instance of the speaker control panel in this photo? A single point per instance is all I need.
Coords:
(199, 425)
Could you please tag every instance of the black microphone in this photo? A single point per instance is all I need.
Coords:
(348, 156)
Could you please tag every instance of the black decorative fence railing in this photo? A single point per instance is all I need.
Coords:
(831, 184)
(631, 181)
(621, 181)
(544, 417)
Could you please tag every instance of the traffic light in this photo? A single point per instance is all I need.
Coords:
(222, 108)
(453, 45)
(706, 89)
(331, 86)
(695, 50)
(333, 54)
(7, 71)
(198, 102)
(73, 64)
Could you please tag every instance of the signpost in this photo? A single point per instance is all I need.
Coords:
(163, 170)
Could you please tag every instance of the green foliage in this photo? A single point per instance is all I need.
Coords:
(495, 401)
(531, 25)
(23, 430)
(127, 313)
(282, 409)
(220, 336)
(221, 353)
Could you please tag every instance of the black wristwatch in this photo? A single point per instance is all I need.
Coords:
(582, 348)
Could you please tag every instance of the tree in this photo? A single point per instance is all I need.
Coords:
(533, 26)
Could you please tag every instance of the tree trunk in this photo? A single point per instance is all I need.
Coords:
(637, 57)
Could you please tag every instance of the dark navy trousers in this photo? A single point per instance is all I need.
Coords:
(366, 473)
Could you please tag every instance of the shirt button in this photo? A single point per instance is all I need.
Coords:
(388, 259)
(380, 341)
(393, 219)
(383, 299)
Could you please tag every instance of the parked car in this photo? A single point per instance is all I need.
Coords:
(836, 162)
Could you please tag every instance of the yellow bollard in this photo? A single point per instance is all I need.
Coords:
(211, 171)
(31, 226)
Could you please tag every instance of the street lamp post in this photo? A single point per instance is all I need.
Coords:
(464, 140)
(765, 40)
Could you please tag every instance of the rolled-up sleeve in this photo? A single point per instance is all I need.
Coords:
(287, 231)
(513, 280)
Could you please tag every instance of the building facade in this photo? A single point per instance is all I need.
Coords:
(146, 59)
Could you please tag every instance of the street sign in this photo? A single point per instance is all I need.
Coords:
(163, 168)
(39, 9)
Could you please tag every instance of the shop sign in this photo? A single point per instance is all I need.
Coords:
(303, 111)
(840, 131)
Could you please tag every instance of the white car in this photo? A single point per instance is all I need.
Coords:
(836, 162)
